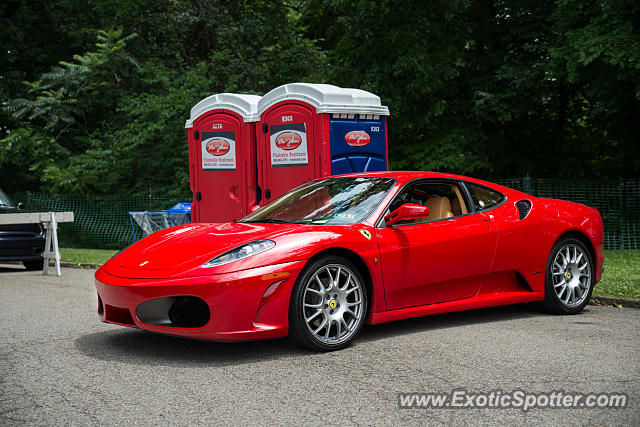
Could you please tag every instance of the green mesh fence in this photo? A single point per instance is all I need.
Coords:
(105, 223)
(99, 222)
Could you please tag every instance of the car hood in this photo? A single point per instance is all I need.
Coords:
(192, 244)
(181, 251)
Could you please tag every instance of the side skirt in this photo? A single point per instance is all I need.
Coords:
(478, 301)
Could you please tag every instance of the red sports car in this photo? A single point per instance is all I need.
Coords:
(332, 254)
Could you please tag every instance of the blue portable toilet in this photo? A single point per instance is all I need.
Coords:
(359, 141)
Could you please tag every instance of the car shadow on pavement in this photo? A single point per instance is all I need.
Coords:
(448, 320)
(133, 346)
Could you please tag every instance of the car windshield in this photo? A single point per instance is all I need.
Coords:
(5, 200)
(331, 201)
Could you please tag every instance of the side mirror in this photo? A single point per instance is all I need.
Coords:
(20, 206)
(406, 212)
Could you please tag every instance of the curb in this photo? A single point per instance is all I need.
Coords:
(614, 301)
(75, 264)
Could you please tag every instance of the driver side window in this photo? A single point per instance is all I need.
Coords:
(443, 199)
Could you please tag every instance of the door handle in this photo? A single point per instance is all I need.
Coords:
(198, 196)
(486, 217)
(267, 194)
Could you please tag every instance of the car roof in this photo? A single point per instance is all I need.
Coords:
(405, 176)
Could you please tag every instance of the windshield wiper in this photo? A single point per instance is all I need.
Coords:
(268, 221)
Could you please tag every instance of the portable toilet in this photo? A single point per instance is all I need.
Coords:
(310, 131)
(222, 163)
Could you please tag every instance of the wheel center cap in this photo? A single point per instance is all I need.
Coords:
(333, 303)
(568, 275)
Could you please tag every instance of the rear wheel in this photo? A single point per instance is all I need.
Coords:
(37, 264)
(328, 304)
(569, 277)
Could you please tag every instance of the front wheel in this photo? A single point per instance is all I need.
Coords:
(569, 277)
(328, 304)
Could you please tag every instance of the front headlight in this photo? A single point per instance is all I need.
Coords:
(241, 252)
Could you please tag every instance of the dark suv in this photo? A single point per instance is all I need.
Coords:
(20, 242)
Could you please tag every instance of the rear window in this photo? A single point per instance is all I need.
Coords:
(484, 197)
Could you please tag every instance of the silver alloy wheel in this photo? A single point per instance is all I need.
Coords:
(571, 273)
(333, 304)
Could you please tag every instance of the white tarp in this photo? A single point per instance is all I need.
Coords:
(152, 221)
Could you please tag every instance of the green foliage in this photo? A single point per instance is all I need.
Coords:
(58, 119)
(63, 96)
(598, 53)
(488, 88)
(104, 124)
(496, 88)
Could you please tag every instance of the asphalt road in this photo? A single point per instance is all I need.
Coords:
(60, 365)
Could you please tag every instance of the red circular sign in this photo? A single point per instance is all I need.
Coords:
(288, 141)
(218, 147)
(357, 138)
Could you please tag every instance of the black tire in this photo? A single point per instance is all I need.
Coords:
(558, 297)
(32, 265)
(330, 309)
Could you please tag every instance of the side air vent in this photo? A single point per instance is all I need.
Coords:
(524, 206)
(523, 282)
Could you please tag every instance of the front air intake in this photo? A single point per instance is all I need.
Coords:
(189, 312)
(182, 311)
(524, 206)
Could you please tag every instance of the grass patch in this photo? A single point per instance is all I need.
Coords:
(87, 256)
(621, 276)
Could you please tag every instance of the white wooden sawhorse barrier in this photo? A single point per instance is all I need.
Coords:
(50, 221)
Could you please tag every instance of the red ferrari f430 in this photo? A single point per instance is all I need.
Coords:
(333, 254)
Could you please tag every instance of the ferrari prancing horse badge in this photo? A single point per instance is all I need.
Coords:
(366, 234)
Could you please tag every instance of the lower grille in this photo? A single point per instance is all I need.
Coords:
(20, 252)
(33, 229)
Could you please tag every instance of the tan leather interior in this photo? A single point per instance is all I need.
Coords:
(458, 206)
(439, 208)
(455, 207)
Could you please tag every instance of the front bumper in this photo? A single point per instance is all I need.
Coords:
(245, 305)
